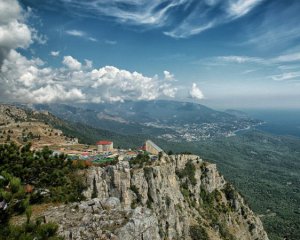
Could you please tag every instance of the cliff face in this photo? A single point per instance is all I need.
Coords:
(176, 197)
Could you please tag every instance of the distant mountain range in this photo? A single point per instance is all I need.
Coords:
(169, 120)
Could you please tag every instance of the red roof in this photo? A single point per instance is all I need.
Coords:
(103, 143)
(143, 147)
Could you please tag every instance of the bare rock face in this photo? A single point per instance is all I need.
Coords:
(142, 225)
(176, 197)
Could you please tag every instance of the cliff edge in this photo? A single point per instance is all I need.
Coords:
(175, 197)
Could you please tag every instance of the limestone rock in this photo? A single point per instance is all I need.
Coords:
(162, 200)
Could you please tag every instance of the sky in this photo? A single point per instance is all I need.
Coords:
(242, 54)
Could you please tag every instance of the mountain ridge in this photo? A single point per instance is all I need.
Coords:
(170, 120)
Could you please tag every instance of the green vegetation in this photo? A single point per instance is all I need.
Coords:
(265, 169)
(28, 177)
(106, 161)
(197, 232)
(54, 178)
(14, 200)
(189, 172)
(140, 160)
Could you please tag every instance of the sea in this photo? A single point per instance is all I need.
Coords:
(279, 122)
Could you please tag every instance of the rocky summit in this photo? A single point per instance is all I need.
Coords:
(175, 197)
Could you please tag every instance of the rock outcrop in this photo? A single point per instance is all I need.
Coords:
(176, 197)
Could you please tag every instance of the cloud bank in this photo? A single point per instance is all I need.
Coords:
(31, 80)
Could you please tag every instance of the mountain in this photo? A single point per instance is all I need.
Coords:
(175, 197)
(237, 113)
(265, 168)
(21, 124)
(169, 120)
(261, 165)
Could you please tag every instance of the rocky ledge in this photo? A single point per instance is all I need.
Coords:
(176, 197)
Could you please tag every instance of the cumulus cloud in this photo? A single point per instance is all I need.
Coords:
(54, 53)
(196, 93)
(14, 33)
(129, 85)
(30, 80)
(168, 76)
(71, 63)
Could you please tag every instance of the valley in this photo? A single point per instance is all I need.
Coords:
(168, 120)
(252, 160)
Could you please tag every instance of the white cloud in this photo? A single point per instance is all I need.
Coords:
(14, 33)
(168, 90)
(76, 33)
(286, 76)
(81, 34)
(269, 31)
(110, 42)
(55, 93)
(240, 59)
(238, 8)
(196, 93)
(30, 80)
(27, 80)
(294, 57)
(281, 59)
(168, 76)
(164, 14)
(54, 53)
(92, 39)
(71, 63)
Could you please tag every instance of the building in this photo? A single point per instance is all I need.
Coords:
(152, 148)
(104, 146)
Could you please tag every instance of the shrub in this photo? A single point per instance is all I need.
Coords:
(189, 172)
(197, 232)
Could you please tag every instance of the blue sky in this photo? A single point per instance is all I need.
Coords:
(222, 53)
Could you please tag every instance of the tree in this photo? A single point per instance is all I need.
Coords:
(12, 197)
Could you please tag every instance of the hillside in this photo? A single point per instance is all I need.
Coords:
(265, 168)
(176, 197)
(238, 158)
(169, 120)
(21, 124)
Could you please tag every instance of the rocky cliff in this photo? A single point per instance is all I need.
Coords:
(176, 197)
